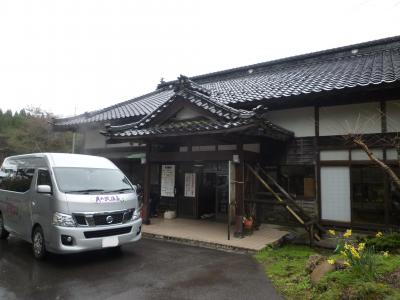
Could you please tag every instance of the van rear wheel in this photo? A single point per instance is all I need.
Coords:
(3, 232)
(38, 244)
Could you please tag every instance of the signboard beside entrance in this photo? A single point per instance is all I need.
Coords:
(168, 181)
(190, 185)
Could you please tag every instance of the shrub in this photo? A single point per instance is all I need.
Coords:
(386, 242)
(369, 290)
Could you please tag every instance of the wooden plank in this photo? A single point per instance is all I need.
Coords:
(294, 214)
(275, 194)
(286, 194)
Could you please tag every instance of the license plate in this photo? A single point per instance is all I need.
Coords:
(110, 241)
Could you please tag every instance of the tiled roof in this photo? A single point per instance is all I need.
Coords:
(196, 95)
(366, 64)
(292, 79)
(217, 117)
(133, 109)
(198, 127)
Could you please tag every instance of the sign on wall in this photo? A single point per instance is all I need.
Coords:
(167, 180)
(190, 185)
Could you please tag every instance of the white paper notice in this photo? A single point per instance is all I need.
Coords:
(190, 185)
(167, 180)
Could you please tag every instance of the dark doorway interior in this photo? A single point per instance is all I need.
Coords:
(207, 193)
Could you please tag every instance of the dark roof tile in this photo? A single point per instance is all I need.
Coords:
(363, 64)
(135, 109)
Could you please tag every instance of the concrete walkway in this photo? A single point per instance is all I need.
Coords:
(211, 234)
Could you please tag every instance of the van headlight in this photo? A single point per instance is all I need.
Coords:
(63, 220)
(137, 214)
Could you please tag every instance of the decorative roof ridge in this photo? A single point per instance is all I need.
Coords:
(205, 95)
(184, 83)
(186, 89)
(377, 45)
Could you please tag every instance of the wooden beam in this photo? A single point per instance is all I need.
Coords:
(191, 156)
(146, 187)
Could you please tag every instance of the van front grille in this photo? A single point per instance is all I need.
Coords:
(108, 219)
(103, 218)
(107, 232)
(80, 219)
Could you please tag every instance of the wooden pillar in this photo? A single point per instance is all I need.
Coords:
(239, 191)
(146, 187)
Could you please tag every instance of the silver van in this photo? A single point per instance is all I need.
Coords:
(66, 203)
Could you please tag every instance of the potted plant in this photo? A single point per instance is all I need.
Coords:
(248, 222)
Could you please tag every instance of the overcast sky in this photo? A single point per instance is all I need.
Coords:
(88, 54)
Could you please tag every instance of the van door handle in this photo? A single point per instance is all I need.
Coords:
(33, 203)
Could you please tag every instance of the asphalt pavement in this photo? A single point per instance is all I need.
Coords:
(148, 269)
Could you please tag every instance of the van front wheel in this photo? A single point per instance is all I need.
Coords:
(38, 244)
(3, 232)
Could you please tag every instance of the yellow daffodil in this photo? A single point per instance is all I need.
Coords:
(332, 232)
(361, 247)
(386, 254)
(331, 261)
(347, 246)
(343, 253)
(347, 234)
(355, 253)
(356, 256)
(379, 234)
(346, 263)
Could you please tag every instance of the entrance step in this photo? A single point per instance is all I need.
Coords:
(212, 235)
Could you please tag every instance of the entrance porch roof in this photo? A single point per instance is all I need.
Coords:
(212, 118)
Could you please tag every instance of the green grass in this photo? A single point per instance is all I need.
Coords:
(285, 267)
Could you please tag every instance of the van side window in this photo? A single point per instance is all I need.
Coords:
(43, 178)
(18, 182)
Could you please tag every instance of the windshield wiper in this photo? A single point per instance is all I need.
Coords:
(85, 191)
(120, 190)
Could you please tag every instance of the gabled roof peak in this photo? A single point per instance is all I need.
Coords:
(187, 92)
(185, 83)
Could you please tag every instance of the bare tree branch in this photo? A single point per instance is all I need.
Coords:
(357, 139)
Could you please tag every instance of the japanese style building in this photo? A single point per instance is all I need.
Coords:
(267, 140)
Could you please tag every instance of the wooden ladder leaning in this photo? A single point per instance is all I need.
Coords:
(289, 204)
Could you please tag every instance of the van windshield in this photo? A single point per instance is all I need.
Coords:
(87, 180)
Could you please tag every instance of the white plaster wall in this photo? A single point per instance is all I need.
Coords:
(299, 120)
(252, 147)
(203, 148)
(393, 116)
(93, 139)
(359, 154)
(332, 155)
(353, 118)
(226, 147)
(187, 113)
(391, 154)
(118, 145)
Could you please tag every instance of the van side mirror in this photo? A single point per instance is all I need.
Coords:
(44, 189)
